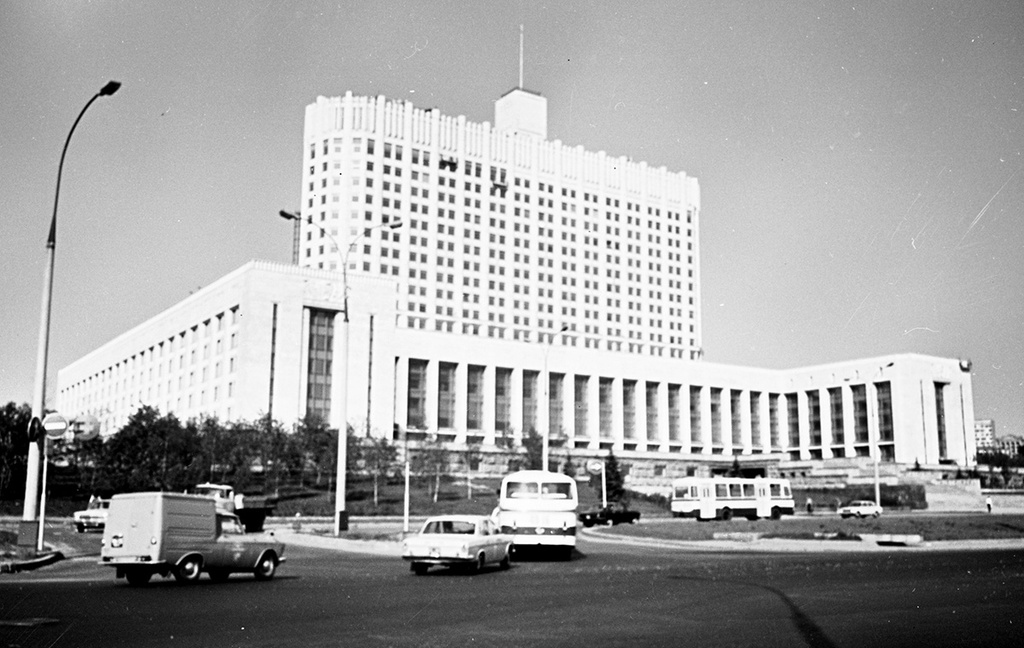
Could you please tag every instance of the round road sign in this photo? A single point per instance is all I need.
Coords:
(55, 425)
(86, 427)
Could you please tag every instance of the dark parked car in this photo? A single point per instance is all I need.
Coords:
(614, 513)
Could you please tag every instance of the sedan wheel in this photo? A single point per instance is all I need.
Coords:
(266, 567)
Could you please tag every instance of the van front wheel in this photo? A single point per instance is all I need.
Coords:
(266, 567)
(188, 570)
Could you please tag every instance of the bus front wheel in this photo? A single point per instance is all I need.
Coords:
(726, 514)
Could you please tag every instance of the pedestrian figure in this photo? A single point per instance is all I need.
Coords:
(810, 506)
(988, 503)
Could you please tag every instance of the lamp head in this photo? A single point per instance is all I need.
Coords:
(110, 88)
(288, 215)
(395, 224)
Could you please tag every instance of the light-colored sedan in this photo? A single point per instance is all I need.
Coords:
(860, 509)
(469, 541)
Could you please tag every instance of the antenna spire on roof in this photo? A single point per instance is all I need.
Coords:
(520, 56)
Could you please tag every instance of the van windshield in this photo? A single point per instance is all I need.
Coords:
(538, 490)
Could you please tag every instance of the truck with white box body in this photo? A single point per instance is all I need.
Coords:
(182, 536)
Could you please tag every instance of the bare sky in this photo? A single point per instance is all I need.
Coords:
(860, 165)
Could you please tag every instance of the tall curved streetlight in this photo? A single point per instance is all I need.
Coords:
(30, 510)
(545, 441)
(340, 517)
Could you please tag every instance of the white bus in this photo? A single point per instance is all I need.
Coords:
(538, 508)
(722, 498)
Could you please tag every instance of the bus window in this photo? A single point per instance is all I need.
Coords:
(748, 490)
(555, 490)
(776, 489)
(521, 490)
(721, 490)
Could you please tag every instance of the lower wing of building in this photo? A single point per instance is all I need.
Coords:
(267, 339)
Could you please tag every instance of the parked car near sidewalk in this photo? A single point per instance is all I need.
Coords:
(614, 513)
(860, 509)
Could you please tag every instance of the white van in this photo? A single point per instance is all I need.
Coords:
(183, 536)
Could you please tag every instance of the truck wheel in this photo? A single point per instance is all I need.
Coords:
(726, 514)
(80, 527)
(420, 569)
(137, 577)
(188, 570)
(266, 567)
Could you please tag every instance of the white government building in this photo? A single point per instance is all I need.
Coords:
(491, 271)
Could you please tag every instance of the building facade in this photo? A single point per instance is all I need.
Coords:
(506, 236)
(530, 285)
(261, 340)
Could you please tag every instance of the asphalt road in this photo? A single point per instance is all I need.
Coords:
(608, 595)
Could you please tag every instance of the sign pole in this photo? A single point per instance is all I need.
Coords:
(55, 426)
(593, 467)
(42, 496)
(604, 488)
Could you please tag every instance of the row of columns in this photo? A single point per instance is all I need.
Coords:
(714, 435)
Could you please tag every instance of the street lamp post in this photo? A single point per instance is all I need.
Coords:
(39, 391)
(340, 516)
(545, 443)
(877, 422)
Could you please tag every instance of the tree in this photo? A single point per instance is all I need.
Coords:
(213, 441)
(380, 455)
(277, 452)
(533, 443)
(14, 420)
(735, 471)
(432, 460)
(318, 446)
(151, 452)
(613, 478)
(471, 457)
(353, 451)
(569, 468)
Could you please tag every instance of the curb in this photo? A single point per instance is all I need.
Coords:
(15, 566)
(864, 543)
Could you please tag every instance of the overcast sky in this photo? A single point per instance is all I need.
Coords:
(860, 165)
